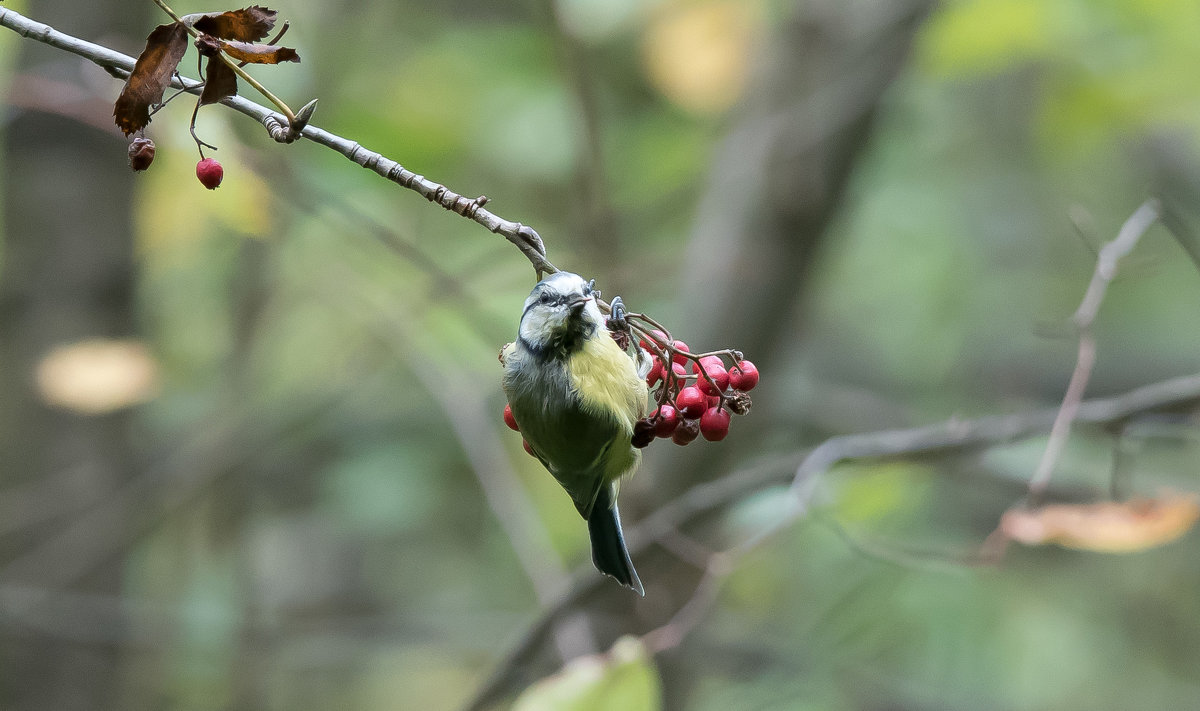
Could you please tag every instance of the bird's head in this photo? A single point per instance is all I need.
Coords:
(560, 314)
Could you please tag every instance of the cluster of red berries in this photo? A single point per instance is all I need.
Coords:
(694, 400)
(696, 393)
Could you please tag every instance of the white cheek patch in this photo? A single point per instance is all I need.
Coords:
(593, 312)
(539, 324)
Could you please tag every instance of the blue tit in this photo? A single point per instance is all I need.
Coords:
(576, 395)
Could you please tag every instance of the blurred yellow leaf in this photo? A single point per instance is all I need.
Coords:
(1106, 527)
(623, 678)
(697, 55)
(97, 376)
(983, 36)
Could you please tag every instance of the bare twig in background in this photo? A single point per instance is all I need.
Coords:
(692, 612)
(525, 238)
(954, 435)
(1106, 270)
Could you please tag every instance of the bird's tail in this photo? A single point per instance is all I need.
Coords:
(609, 553)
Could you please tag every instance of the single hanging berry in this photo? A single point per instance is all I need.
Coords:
(714, 424)
(210, 172)
(141, 153)
(743, 376)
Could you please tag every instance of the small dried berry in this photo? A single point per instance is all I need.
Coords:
(643, 433)
(141, 153)
(738, 402)
(685, 432)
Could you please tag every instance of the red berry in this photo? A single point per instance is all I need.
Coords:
(706, 361)
(691, 402)
(743, 376)
(714, 424)
(210, 172)
(685, 432)
(680, 346)
(680, 370)
(656, 372)
(666, 419)
(719, 376)
(509, 419)
(656, 339)
(713, 400)
(528, 449)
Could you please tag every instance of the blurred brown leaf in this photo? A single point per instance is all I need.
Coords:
(1106, 527)
(219, 82)
(150, 76)
(248, 25)
(259, 53)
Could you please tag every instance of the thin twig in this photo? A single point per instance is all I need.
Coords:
(525, 238)
(692, 612)
(1106, 270)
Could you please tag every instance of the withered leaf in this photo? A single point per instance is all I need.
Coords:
(247, 25)
(259, 53)
(150, 76)
(219, 82)
(1106, 527)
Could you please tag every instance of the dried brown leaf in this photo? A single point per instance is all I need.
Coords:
(1106, 527)
(150, 76)
(247, 25)
(219, 82)
(259, 53)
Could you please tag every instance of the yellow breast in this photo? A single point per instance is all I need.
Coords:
(606, 381)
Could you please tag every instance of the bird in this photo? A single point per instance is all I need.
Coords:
(575, 395)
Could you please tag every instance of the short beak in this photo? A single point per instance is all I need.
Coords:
(576, 303)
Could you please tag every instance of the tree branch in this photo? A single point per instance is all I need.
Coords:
(953, 435)
(525, 238)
